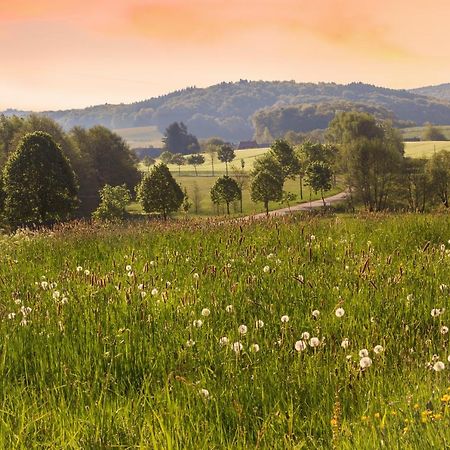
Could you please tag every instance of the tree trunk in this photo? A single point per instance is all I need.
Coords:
(266, 205)
(228, 208)
(212, 166)
(226, 167)
(195, 168)
(179, 171)
(323, 199)
(240, 200)
(301, 187)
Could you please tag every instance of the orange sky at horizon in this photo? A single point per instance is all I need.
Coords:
(76, 53)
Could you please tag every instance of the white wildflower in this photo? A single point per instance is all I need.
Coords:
(229, 308)
(314, 342)
(266, 269)
(237, 347)
(224, 341)
(154, 292)
(242, 329)
(363, 353)
(305, 335)
(339, 312)
(365, 362)
(197, 323)
(438, 366)
(254, 348)
(378, 349)
(204, 393)
(316, 314)
(206, 312)
(345, 343)
(285, 319)
(259, 324)
(444, 329)
(300, 346)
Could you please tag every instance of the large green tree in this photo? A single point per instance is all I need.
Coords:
(159, 192)
(225, 190)
(438, 170)
(39, 183)
(319, 175)
(266, 186)
(195, 160)
(114, 200)
(177, 139)
(285, 156)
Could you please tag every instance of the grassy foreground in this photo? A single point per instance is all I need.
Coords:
(193, 335)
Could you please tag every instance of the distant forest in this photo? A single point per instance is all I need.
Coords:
(257, 109)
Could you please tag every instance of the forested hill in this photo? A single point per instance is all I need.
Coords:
(227, 109)
(441, 91)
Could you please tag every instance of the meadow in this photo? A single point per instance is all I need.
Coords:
(425, 149)
(141, 136)
(417, 132)
(301, 332)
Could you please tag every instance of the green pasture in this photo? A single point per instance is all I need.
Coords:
(417, 132)
(425, 149)
(293, 333)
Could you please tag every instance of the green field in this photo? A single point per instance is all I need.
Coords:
(141, 136)
(425, 149)
(96, 354)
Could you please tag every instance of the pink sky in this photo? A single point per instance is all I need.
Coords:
(76, 53)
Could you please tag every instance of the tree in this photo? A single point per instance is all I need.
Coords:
(265, 187)
(187, 204)
(285, 156)
(179, 160)
(438, 169)
(371, 156)
(417, 183)
(211, 148)
(166, 157)
(318, 176)
(159, 192)
(148, 161)
(287, 198)
(196, 197)
(195, 160)
(225, 190)
(177, 139)
(226, 154)
(432, 133)
(39, 183)
(114, 200)
(241, 178)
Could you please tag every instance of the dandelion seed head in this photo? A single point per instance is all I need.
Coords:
(378, 349)
(444, 329)
(197, 323)
(345, 343)
(204, 393)
(224, 341)
(229, 309)
(285, 319)
(259, 324)
(339, 312)
(314, 342)
(300, 346)
(365, 362)
(363, 353)
(154, 292)
(438, 366)
(237, 347)
(266, 269)
(305, 335)
(254, 348)
(316, 314)
(242, 329)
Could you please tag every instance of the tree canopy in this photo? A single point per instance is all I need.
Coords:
(225, 190)
(177, 139)
(39, 183)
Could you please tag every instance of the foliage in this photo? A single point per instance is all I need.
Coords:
(179, 160)
(148, 161)
(226, 154)
(225, 190)
(159, 192)
(195, 160)
(266, 186)
(166, 157)
(319, 175)
(39, 183)
(438, 170)
(114, 200)
(284, 154)
(177, 139)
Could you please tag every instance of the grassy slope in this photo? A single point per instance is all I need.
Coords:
(413, 132)
(111, 368)
(425, 149)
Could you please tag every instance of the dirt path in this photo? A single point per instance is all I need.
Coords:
(302, 206)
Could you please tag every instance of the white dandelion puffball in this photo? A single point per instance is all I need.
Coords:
(339, 312)
(438, 366)
(206, 312)
(223, 341)
(196, 276)
(242, 329)
(140, 287)
(254, 348)
(197, 323)
(237, 347)
(190, 343)
(435, 312)
(11, 316)
(79, 268)
(409, 297)
(229, 309)
(305, 335)
(345, 343)
(44, 285)
(312, 237)
(448, 358)
(56, 295)
(365, 362)
(378, 349)
(285, 319)
(316, 314)
(266, 269)
(314, 342)
(204, 393)
(443, 287)
(154, 292)
(128, 268)
(363, 353)
(259, 324)
(87, 272)
(444, 329)
(152, 263)
(300, 346)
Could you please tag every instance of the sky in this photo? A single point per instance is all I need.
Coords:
(58, 54)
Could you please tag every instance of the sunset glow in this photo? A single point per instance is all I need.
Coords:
(61, 54)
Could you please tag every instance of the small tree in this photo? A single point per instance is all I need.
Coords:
(187, 204)
(196, 197)
(433, 133)
(226, 154)
(241, 177)
(211, 147)
(319, 176)
(159, 192)
(166, 157)
(286, 157)
(225, 190)
(438, 170)
(114, 200)
(287, 198)
(39, 183)
(195, 160)
(265, 187)
(179, 160)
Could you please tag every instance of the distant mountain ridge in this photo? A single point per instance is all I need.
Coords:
(441, 91)
(227, 109)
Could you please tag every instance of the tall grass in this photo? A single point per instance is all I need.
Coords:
(110, 356)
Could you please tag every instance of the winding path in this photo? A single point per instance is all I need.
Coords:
(308, 206)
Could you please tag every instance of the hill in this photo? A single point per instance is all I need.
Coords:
(227, 109)
(441, 91)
